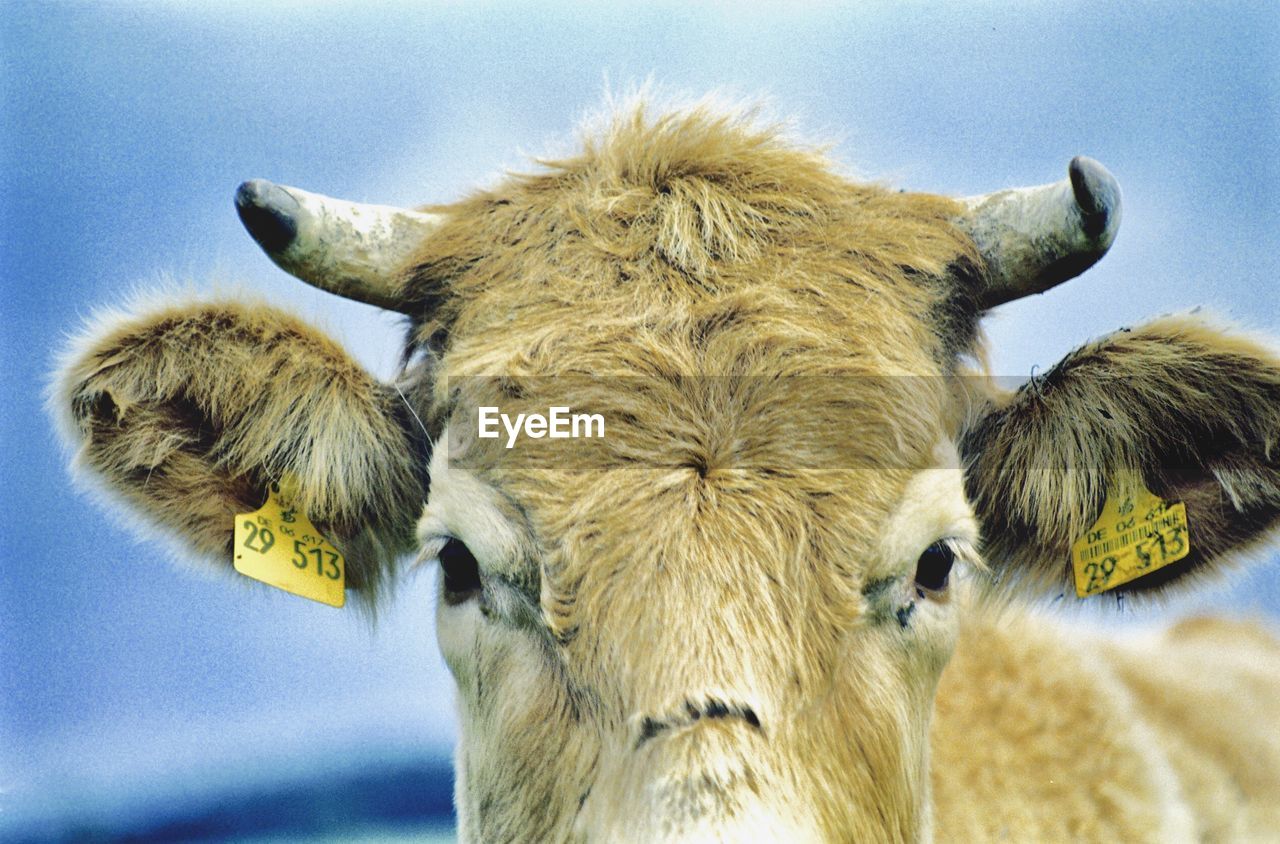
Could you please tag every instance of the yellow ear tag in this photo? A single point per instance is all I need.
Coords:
(1136, 534)
(278, 545)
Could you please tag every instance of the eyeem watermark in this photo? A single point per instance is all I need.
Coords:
(559, 424)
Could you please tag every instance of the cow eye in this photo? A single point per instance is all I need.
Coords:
(461, 572)
(934, 567)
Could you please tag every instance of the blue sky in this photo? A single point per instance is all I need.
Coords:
(126, 128)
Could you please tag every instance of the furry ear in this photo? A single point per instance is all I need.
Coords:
(187, 413)
(1192, 409)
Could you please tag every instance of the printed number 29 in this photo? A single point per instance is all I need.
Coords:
(301, 552)
(1099, 574)
(259, 539)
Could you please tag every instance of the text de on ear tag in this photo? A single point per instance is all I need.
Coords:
(278, 545)
(1137, 533)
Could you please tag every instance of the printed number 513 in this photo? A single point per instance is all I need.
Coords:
(303, 554)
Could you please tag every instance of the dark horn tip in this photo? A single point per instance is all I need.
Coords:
(1094, 186)
(1096, 191)
(268, 213)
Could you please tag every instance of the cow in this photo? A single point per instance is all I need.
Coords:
(799, 589)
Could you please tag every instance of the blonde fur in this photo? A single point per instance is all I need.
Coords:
(191, 409)
(706, 625)
(1179, 404)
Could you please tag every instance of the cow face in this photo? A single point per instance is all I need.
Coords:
(725, 617)
(687, 607)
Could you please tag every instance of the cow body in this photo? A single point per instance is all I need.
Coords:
(1044, 732)
(729, 617)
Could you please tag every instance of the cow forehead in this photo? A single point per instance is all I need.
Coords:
(768, 344)
(679, 245)
(705, 565)
(703, 481)
(745, 407)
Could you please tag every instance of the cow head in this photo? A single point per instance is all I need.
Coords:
(726, 618)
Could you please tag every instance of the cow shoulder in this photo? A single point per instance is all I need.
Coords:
(1210, 688)
(1035, 738)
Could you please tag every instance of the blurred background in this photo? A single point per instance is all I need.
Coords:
(142, 698)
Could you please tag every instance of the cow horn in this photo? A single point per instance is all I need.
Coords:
(1035, 238)
(347, 248)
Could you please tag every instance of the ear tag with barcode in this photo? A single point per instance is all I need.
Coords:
(278, 545)
(1137, 533)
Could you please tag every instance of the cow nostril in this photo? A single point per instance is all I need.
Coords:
(692, 713)
(719, 709)
(716, 709)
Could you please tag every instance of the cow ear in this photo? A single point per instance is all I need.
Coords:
(1178, 407)
(187, 413)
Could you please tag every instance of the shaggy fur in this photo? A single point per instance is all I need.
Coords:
(1048, 733)
(705, 625)
(192, 409)
(1191, 411)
